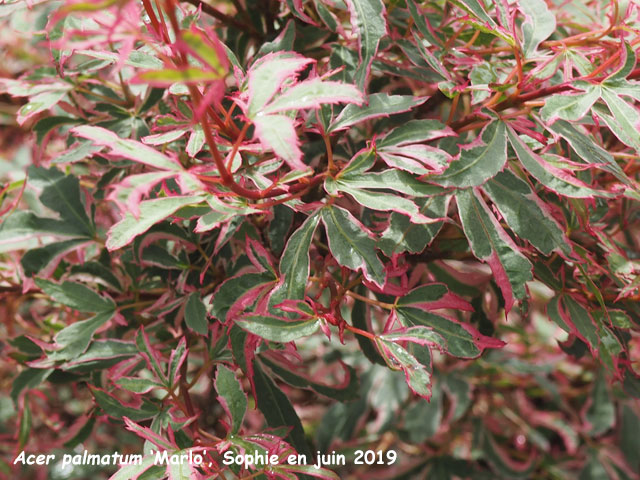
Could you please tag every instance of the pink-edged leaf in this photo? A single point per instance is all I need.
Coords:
(368, 19)
(377, 105)
(150, 213)
(267, 76)
(560, 181)
(116, 408)
(415, 158)
(164, 137)
(352, 244)
(526, 214)
(151, 356)
(259, 256)
(384, 202)
(149, 435)
(130, 149)
(490, 243)
(461, 339)
(415, 131)
(418, 376)
(278, 133)
(231, 397)
(433, 296)
(292, 373)
(128, 193)
(134, 470)
(420, 335)
(313, 94)
(278, 329)
(177, 358)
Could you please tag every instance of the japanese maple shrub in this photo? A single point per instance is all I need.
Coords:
(314, 226)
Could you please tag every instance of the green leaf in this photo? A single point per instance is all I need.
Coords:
(127, 472)
(570, 107)
(351, 244)
(24, 428)
(343, 393)
(417, 375)
(368, 22)
(37, 259)
(151, 212)
(538, 26)
(294, 264)
(477, 164)
(415, 131)
(313, 94)
(131, 149)
(601, 413)
(589, 151)
(392, 179)
(525, 213)
(231, 396)
(557, 180)
(232, 289)
(101, 352)
(481, 20)
(137, 385)
(384, 202)
(148, 353)
(45, 125)
(491, 244)
(278, 411)
(195, 314)
(629, 440)
(278, 329)
(61, 193)
(75, 338)
(117, 410)
(377, 105)
(27, 379)
(76, 296)
(625, 121)
(404, 236)
(459, 342)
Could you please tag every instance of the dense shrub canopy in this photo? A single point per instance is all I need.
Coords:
(322, 226)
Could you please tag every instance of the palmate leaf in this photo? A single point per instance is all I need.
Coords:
(274, 129)
(384, 202)
(377, 105)
(232, 397)
(477, 163)
(130, 149)
(525, 213)
(369, 22)
(351, 244)
(458, 339)
(294, 264)
(150, 213)
(289, 373)
(538, 26)
(562, 182)
(278, 411)
(278, 329)
(490, 243)
(404, 236)
(417, 374)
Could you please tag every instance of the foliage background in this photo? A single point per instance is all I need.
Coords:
(527, 357)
